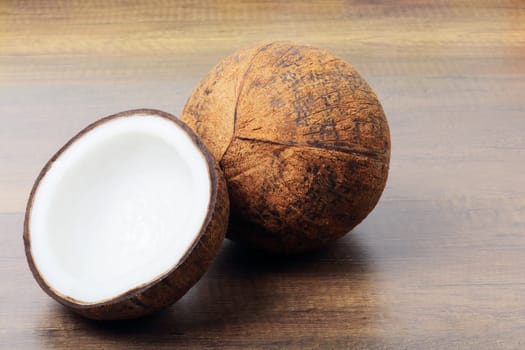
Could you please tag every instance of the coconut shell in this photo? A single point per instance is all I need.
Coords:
(302, 139)
(170, 287)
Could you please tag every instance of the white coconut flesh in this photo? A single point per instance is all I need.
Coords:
(119, 208)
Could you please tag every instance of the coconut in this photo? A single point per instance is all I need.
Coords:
(126, 217)
(302, 139)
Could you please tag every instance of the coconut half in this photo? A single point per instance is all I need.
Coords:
(126, 217)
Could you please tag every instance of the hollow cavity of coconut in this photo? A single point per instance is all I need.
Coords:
(126, 217)
(302, 139)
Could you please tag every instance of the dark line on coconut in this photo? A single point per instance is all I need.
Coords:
(286, 52)
(372, 155)
(245, 75)
(241, 87)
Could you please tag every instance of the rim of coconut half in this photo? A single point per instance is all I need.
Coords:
(128, 284)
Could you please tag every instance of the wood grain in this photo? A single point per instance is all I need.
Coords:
(438, 264)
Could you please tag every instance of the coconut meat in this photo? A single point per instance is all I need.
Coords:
(119, 208)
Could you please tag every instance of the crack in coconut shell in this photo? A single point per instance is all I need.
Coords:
(218, 94)
(298, 108)
(167, 288)
(371, 154)
(239, 94)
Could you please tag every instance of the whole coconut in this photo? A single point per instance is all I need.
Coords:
(302, 139)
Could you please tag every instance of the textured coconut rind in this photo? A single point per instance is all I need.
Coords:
(306, 96)
(170, 287)
(325, 195)
(310, 151)
(211, 107)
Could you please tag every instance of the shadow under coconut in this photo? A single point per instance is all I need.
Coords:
(246, 294)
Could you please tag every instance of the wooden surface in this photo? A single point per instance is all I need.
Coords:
(439, 264)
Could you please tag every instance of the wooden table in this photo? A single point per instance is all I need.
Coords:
(439, 264)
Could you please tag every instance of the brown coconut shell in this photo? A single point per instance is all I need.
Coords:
(168, 288)
(302, 139)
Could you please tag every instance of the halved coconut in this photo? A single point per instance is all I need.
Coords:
(126, 217)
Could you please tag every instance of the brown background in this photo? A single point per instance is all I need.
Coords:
(439, 264)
